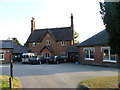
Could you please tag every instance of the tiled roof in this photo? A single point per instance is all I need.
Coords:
(59, 34)
(72, 49)
(20, 49)
(100, 38)
(6, 44)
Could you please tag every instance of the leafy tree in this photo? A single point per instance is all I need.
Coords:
(16, 41)
(110, 12)
(76, 36)
(26, 44)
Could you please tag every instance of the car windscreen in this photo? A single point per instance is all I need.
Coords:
(33, 57)
(52, 57)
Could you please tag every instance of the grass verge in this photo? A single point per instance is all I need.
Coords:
(101, 82)
(4, 80)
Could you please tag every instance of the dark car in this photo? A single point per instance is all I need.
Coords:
(37, 60)
(55, 59)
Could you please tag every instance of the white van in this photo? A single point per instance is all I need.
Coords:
(26, 56)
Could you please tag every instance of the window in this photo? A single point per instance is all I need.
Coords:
(108, 55)
(63, 43)
(48, 42)
(34, 44)
(1, 56)
(63, 54)
(89, 53)
(46, 55)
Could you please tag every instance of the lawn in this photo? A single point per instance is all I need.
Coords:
(101, 82)
(5, 82)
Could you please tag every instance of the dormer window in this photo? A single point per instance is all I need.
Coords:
(48, 42)
(34, 44)
(63, 43)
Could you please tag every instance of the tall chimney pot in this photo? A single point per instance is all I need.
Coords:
(32, 24)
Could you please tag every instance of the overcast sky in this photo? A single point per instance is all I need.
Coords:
(15, 17)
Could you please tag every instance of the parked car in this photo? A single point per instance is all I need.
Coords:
(65, 58)
(37, 60)
(55, 59)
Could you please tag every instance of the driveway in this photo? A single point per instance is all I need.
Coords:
(66, 75)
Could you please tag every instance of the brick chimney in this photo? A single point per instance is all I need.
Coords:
(32, 24)
(72, 28)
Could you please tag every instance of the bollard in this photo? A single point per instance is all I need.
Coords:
(10, 83)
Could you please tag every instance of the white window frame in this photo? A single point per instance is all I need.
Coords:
(46, 54)
(89, 53)
(2, 56)
(63, 43)
(108, 48)
(48, 42)
(34, 44)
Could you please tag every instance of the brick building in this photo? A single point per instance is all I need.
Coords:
(9, 50)
(50, 41)
(96, 51)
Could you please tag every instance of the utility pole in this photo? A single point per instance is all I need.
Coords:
(11, 72)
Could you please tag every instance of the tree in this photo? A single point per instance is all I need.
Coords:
(16, 41)
(110, 12)
(76, 36)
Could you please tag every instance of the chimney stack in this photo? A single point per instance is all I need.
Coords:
(72, 28)
(32, 24)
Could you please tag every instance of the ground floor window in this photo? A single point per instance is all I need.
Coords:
(46, 55)
(108, 55)
(89, 53)
(2, 56)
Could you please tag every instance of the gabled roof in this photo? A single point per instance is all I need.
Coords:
(60, 34)
(48, 47)
(100, 38)
(6, 44)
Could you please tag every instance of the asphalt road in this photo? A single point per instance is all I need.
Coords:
(66, 75)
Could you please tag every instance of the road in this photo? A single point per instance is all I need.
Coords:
(65, 75)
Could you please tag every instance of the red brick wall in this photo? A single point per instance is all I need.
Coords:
(98, 56)
(7, 56)
(58, 49)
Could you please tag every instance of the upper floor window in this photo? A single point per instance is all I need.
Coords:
(34, 44)
(108, 55)
(1, 56)
(63, 43)
(48, 42)
(89, 53)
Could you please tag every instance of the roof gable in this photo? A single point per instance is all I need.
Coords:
(60, 34)
(48, 47)
(47, 32)
(100, 38)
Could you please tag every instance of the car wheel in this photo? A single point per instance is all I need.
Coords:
(65, 60)
(57, 62)
(40, 62)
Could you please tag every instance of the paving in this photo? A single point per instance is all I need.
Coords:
(64, 75)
